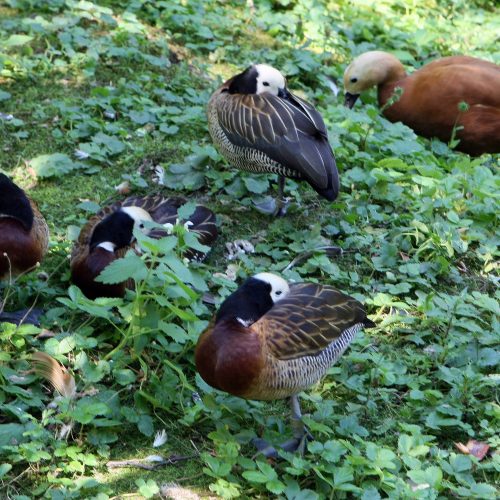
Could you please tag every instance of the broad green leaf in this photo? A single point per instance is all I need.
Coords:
(4, 468)
(255, 476)
(148, 488)
(16, 40)
(124, 377)
(120, 270)
(53, 165)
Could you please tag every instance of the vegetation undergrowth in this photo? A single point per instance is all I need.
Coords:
(96, 93)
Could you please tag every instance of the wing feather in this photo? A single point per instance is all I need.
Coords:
(290, 131)
(308, 320)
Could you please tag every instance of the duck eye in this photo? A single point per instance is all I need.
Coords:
(354, 80)
(266, 84)
(279, 292)
(141, 226)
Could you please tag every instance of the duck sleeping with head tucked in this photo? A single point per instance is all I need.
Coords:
(260, 126)
(272, 340)
(432, 96)
(108, 236)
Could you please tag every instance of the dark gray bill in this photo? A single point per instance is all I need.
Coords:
(350, 99)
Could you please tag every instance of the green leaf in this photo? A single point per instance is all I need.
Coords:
(17, 40)
(275, 486)
(53, 165)
(185, 212)
(342, 475)
(175, 332)
(255, 476)
(120, 270)
(4, 468)
(86, 409)
(147, 488)
(124, 377)
(145, 425)
(255, 185)
(371, 494)
(192, 241)
(333, 450)
(432, 475)
(484, 490)
(460, 463)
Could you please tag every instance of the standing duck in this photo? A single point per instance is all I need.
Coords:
(432, 95)
(109, 234)
(24, 239)
(24, 234)
(259, 126)
(271, 340)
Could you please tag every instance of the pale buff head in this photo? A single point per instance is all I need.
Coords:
(371, 69)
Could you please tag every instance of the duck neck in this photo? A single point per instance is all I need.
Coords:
(115, 231)
(247, 304)
(109, 246)
(387, 74)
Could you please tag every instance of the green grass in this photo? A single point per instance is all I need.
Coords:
(128, 83)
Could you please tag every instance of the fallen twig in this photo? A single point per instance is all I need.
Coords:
(330, 251)
(151, 462)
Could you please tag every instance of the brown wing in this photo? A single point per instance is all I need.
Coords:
(290, 131)
(40, 229)
(203, 219)
(310, 318)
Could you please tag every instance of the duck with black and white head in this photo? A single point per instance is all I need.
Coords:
(258, 125)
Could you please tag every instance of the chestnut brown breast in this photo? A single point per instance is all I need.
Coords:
(24, 248)
(86, 267)
(230, 357)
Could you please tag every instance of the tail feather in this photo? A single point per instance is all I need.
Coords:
(57, 375)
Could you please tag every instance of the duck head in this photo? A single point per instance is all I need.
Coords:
(116, 230)
(254, 298)
(368, 70)
(258, 79)
(14, 203)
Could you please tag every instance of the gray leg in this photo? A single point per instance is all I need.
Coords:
(282, 203)
(300, 434)
(272, 206)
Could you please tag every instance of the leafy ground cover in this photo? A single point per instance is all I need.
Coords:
(96, 93)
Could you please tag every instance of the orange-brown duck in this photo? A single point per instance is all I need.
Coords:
(260, 126)
(24, 235)
(431, 96)
(271, 340)
(109, 234)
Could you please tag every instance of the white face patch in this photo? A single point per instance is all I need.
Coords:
(245, 323)
(269, 79)
(107, 245)
(139, 215)
(279, 287)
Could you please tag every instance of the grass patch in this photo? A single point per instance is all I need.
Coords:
(126, 84)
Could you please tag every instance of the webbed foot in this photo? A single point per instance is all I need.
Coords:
(297, 443)
(267, 206)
